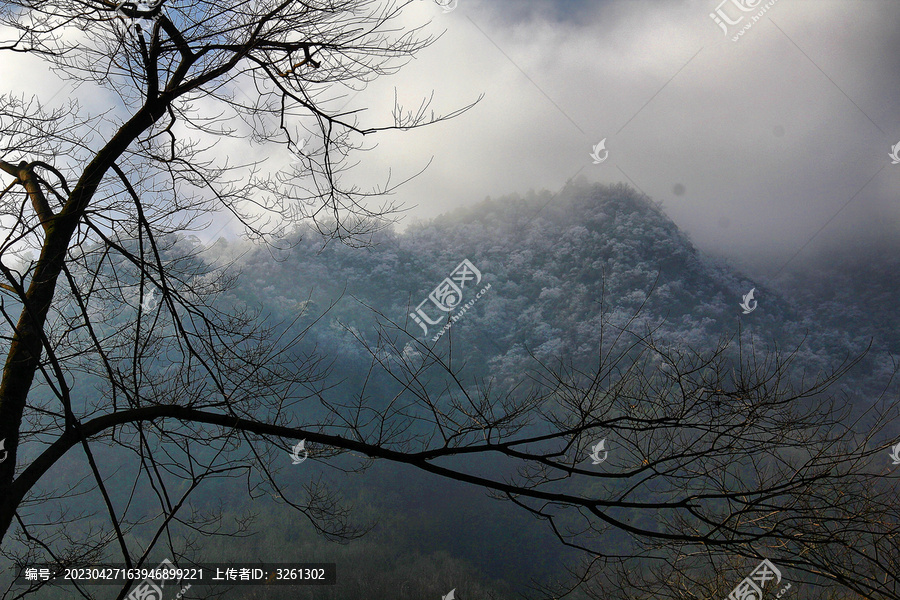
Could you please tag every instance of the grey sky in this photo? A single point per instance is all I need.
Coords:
(768, 136)
(752, 146)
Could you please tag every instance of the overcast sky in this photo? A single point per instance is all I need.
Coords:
(753, 146)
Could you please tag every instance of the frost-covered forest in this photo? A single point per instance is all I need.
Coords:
(274, 293)
(560, 266)
(565, 269)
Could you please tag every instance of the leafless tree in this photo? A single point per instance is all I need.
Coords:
(709, 460)
(713, 461)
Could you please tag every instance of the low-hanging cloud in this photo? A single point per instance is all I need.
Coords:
(754, 147)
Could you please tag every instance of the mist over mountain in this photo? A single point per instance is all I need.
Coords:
(638, 389)
(568, 273)
(564, 270)
(853, 289)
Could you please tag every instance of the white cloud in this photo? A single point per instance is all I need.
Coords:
(758, 133)
(762, 134)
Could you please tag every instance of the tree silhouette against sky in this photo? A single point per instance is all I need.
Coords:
(717, 458)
